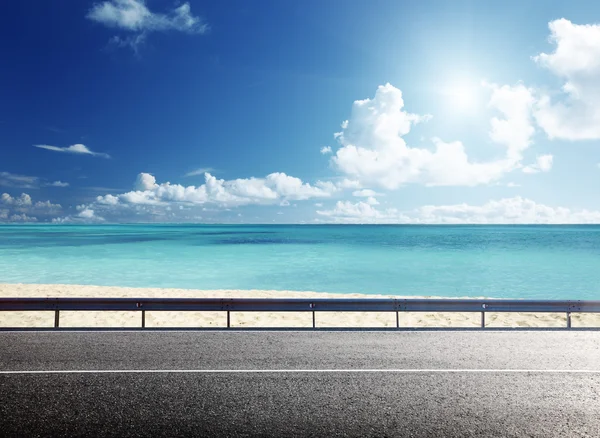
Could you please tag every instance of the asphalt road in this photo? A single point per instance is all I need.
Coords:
(446, 384)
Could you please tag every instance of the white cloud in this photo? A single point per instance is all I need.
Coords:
(127, 14)
(73, 149)
(516, 210)
(22, 218)
(25, 203)
(515, 129)
(22, 181)
(134, 42)
(361, 213)
(107, 200)
(576, 60)
(200, 171)
(22, 201)
(326, 150)
(372, 201)
(348, 184)
(22, 208)
(145, 181)
(364, 193)
(374, 152)
(8, 179)
(274, 189)
(58, 184)
(134, 16)
(46, 205)
(86, 214)
(293, 188)
(543, 164)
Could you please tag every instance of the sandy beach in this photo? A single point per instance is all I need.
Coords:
(253, 319)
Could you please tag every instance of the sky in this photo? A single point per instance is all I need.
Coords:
(308, 111)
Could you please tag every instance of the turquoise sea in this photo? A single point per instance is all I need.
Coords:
(494, 261)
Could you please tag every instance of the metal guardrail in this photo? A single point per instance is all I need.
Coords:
(297, 305)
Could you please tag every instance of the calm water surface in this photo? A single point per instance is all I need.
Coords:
(495, 261)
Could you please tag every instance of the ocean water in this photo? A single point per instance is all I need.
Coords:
(538, 262)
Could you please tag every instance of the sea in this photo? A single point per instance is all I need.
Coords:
(504, 261)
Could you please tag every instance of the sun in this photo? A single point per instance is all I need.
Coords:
(461, 96)
(464, 96)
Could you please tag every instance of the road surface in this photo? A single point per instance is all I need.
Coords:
(351, 384)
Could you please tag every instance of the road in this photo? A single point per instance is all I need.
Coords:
(351, 384)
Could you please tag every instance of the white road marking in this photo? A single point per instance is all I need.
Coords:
(291, 371)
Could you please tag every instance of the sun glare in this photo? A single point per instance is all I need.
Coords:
(461, 96)
(464, 96)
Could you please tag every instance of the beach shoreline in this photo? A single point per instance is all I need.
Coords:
(254, 319)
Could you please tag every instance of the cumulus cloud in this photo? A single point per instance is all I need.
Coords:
(22, 208)
(22, 201)
(145, 181)
(373, 151)
(326, 150)
(135, 17)
(575, 115)
(73, 149)
(515, 128)
(46, 205)
(543, 163)
(86, 213)
(516, 210)
(152, 198)
(84, 216)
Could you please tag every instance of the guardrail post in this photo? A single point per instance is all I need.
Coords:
(568, 319)
(397, 319)
(56, 318)
(143, 318)
(482, 319)
(228, 319)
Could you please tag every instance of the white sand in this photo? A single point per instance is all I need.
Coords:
(253, 319)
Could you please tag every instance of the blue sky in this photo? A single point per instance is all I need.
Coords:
(307, 112)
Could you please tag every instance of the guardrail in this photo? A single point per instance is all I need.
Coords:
(297, 305)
